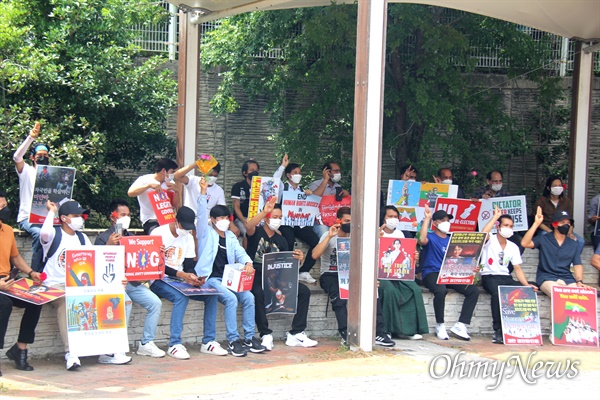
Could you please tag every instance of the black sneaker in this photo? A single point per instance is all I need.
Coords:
(498, 337)
(383, 339)
(254, 345)
(236, 349)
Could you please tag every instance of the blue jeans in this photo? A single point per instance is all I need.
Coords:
(180, 302)
(145, 298)
(230, 300)
(320, 229)
(210, 316)
(34, 231)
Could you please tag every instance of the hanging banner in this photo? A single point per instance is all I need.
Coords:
(162, 206)
(187, 289)
(329, 206)
(53, 184)
(461, 258)
(515, 206)
(465, 213)
(397, 259)
(95, 300)
(26, 290)
(299, 209)
(343, 264)
(280, 282)
(520, 315)
(143, 257)
(574, 319)
(263, 188)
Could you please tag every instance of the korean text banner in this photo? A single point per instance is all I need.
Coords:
(53, 184)
(461, 259)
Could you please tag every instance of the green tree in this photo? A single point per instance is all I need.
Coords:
(72, 66)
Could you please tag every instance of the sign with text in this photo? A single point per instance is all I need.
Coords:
(187, 289)
(280, 282)
(53, 184)
(515, 206)
(520, 315)
(397, 259)
(299, 209)
(236, 279)
(465, 213)
(343, 264)
(461, 258)
(263, 188)
(162, 206)
(26, 290)
(329, 207)
(574, 320)
(143, 258)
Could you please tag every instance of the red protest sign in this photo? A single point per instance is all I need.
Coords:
(465, 212)
(161, 204)
(143, 258)
(329, 206)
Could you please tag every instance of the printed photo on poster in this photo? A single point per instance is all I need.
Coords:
(53, 184)
(329, 206)
(299, 209)
(574, 319)
(461, 260)
(465, 213)
(520, 315)
(403, 193)
(187, 289)
(280, 282)
(263, 188)
(143, 259)
(26, 290)
(343, 265)
(396, 259)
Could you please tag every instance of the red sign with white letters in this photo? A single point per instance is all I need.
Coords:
(465, 213)
(143, 258)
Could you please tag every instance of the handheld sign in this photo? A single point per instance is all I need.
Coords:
(396, 259)
(280, 282)
(465, 213)
(51, 183)
(143, 258)
(161, 204)
(461, 259)
(343, 264)
(520, 315)
(574, 320)
(328, 208)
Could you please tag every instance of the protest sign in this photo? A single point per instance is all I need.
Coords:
(299, 209)
(236, 279)
(461, 258)
(520, 315)
(53, 184)
(280, 282)
(95, 301)
(329, 206)
(343, 265)
(574, 320)
(465, 213)
(263, 188)
(408, 217)
(26, 290)
(162, 206)
(187, 289)
(515, 206)
(396, 259)
(143, 257)
(403, 193)
(430, 192)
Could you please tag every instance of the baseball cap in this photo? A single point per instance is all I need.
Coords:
(561, 216)
(187, 218)
(71, 207)
(441, 214)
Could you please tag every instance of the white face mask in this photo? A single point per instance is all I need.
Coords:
(182, 232)
(336, 177)
(496, 187)
(124, 221)
(447, 181)
(412, 180)
(557, 190)
(391, 223)
(76, 223)
(274, 223)
(296, 178)
(222, 225)
(211, 180)
(444, 226)
(505, 232)
(170, 177)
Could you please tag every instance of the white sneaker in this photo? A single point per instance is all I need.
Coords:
(72, 362)
(213, 348)
(459, 329)
(300, 340)
(267, 342)
(178, 351)
(440, 332)
(117, 359)
(416, 336)
(306, 277)
(150, 349)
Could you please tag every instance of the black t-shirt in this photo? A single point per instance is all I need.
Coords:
(220, 259)
(260, 243)
(241, 191)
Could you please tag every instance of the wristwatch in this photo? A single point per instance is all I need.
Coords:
(579, 281)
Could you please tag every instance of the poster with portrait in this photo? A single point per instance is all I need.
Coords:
(343, 265)
(27, 290)
(520, 315)
(574, 319)
(299, 209)
(396, 259)
(461, 259)
(430, 192)
(95, 300)
(143, 257)
(263, 188)
(465, 213)
(280, 282)
(53, 184)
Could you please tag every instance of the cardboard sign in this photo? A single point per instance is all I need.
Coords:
(187, 289)
(161, 204)
(515, 206)
(403, 193)
(465, 213)
(280, 282)
(574, 320)
(299, 209)
(26, 290)
(520, 315)
(236, 279)
(143, 259)
(53, 184)
(343, 264)
(329, 207)
(396, 259)
(263, 188)
(461, 258)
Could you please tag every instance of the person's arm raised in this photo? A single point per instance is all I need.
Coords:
(22, 150)
(322, 246)
(254, 221)
(425, 226)
(181, 174)
(527, 241)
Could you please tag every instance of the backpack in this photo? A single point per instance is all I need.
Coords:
(39, 260)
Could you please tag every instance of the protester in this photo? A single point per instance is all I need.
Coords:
(494, 187)
(445, 176)
(191, 183)
(9, 256)
(408, 172)
(161, 180)
(262, 240)
(593, 218)
(327, 251)
(327, 186)
(434, 245)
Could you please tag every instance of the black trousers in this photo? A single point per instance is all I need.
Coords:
(28, 321)
(308, 236)
(490, 283)
(471, 293)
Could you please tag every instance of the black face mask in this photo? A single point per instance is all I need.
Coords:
(345, 228)
(42, 160)
(252, 174)
(5, 214)
(564, 229)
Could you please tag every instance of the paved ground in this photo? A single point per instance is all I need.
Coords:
(324, 372)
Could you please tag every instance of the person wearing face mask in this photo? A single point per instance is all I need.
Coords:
(39, 155)
(497, 254)
(218, 246)
(327, 186)
(445, 176)
(593, 217)
(434, 245)
(266, 239)
(494, 187)
(191, 184)
(163, 179)
(557, 252)
(72, 221)
(401, 301)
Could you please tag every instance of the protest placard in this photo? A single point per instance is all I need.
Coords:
(187, 289)
(95, 300)
(430, 192)
(515, 206)
(329, 206)
(53, 184)
(343, 265)
(162, 205)
(280, 282)
(574, 320)
(461, 258)
(396, 259)
(263, 188)
(144, 259)
(403, 193)
(26, 290)
(299, 209)
(465, 213)
(236, 279)
(520, 315)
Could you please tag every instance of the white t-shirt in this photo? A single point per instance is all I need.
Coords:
(492, 253)
(214, 194)
(55, 266)
(329, 256)
(146, 210)
(177, 249)
(396, 234)
(26, 183)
